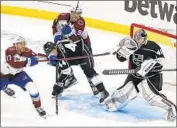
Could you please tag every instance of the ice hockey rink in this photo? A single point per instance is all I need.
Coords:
(77, 106)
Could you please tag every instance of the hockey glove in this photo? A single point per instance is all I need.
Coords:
(145, 67)
(31, 61)
(67, 30)
(57, 37)
(126, 47)
(57, 89)
(53, 60)
(120, 58)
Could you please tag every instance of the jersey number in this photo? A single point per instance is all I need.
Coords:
(159, 52)
(8, 58)
(71, 46)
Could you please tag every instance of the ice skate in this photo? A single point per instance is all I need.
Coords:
(70, 82)
(41, 112)
(103, 95)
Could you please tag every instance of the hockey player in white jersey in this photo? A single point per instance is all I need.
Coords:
(148, 59)
(17, 58)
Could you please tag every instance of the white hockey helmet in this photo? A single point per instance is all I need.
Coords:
(19, 39)
(140, 37)
(76, 9)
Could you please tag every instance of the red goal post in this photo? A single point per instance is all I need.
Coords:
(155, 34)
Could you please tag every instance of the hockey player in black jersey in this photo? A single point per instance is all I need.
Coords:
(66, 48)
(72, 25)
(147, 58)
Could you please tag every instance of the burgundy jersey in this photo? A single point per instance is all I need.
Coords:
(79, 28)
(15, 62)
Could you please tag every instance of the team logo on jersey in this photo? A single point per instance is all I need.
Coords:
(71, 46)
(18, 58)
(137, 59)
(80, 22)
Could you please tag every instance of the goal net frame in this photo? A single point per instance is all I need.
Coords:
(133, 25)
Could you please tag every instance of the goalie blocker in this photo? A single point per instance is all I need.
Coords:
(147, 58)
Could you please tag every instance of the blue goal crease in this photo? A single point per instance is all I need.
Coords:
(86, 104)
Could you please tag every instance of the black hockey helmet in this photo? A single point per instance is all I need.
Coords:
(48, 47)
(140, 37)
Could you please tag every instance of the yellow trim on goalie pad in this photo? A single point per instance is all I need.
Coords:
(94, 23)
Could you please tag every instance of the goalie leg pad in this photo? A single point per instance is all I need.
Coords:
(122, 96)
(151, 97)
(157, 81)
(155, 99)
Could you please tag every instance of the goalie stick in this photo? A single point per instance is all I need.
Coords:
(126, 71)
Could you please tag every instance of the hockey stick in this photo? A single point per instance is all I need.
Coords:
(77, 6)
(170, 83)
(56, 98)
(55, 3)
(127, 71)
(43, 57)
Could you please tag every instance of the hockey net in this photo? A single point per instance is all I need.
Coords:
(167, 41)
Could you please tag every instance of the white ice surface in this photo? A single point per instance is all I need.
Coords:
(20, 111)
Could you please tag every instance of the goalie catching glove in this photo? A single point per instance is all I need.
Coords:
(127, 46)
(57, 89)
